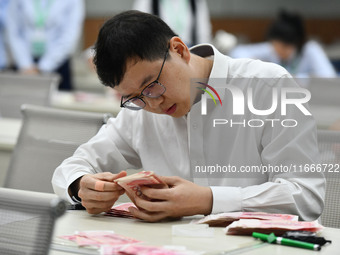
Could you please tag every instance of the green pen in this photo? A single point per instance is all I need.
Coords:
(285, 241)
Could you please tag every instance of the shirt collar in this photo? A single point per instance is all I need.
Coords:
(220, 65)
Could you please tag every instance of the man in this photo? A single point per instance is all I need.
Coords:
(287, 46)
(189, 19)
(140, 56)
(43, 35)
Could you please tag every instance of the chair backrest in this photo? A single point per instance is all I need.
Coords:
(17, 89)
(47, 137)
(27, 221)
(329, 147)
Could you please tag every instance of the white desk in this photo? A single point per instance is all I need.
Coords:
(84, 101)
(160, 234)
(9, 132)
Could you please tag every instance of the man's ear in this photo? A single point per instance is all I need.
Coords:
(178, 47)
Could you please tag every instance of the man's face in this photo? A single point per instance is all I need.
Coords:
(175, 77)
(285, 51)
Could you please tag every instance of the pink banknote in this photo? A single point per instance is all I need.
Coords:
(248, 226)
(121, 210)
(99, 238)
(224, 219)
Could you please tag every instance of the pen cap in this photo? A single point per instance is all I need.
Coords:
(264, 237)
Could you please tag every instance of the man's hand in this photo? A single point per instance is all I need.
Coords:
(98, 192)
(183, 198)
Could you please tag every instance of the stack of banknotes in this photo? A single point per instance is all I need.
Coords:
(121, 210)
(225, 219)
(247, 227)
(109, 243)
(245, 223)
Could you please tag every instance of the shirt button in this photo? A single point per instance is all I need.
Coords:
(194, 125)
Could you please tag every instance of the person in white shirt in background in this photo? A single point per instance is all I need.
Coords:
(138, 55)
(3, 21)
(43, 35)
(190, 19)
(287, 46)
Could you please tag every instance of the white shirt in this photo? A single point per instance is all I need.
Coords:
(160, 143)
(313, 61)
(178, 15)
(62, 30)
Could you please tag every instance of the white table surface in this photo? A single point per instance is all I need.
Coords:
(9, 132)
(84, 101)
(160, 234)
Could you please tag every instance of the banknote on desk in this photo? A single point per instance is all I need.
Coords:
(278, 227)
(121, 210)
(224, 219)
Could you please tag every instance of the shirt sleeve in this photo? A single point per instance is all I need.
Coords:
(109, 151)
(294, 192)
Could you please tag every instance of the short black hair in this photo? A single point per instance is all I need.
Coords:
(129, 35)
(289, 28)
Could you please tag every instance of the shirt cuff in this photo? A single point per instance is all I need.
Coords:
(73, 199)
(226, 199)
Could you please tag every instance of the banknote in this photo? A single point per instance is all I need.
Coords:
(224, 219)
(121, 210)
(278, 227)
(99, 238)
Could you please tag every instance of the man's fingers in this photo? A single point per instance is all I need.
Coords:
(170, 180)
(151, 206)
(151, 217)
(95, 207)
(159, 194)
(107, 176)
(99, 185)
(90, 182)
(100, 196)
(102, 186)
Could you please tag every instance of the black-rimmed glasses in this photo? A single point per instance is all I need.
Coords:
(154, 90)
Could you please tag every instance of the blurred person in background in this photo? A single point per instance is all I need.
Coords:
(3, 20)
(190, 19)
(43, 34)
(288, 47)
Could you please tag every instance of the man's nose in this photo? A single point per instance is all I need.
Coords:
(154, 103)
